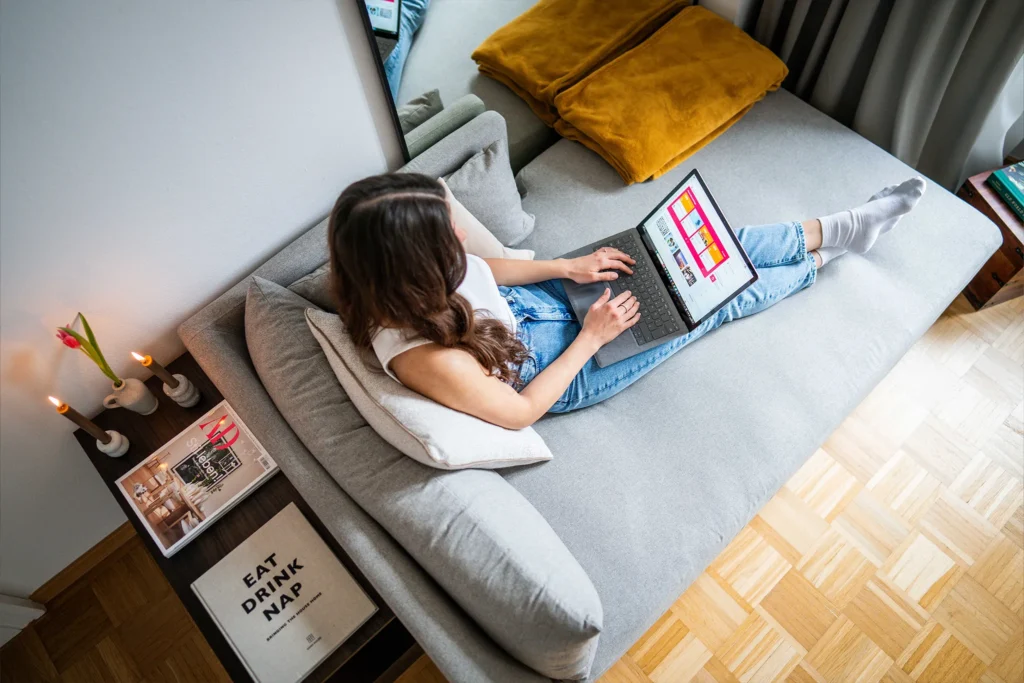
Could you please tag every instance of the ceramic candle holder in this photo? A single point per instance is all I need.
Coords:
(117, 446)
(133, 395)
(185, 394)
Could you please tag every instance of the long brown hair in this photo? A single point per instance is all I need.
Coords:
(396, 262)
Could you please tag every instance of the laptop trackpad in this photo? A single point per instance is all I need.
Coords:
(583, 296)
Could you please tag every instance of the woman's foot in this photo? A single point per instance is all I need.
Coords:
(827, 254)
(857, 229)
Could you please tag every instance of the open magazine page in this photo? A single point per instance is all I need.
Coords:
(184, 486)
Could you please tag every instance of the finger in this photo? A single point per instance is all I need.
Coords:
(632, 321)
(618, 265)
(621, 298)
(604, 275)
(621, 255)
(603, 299)
(632, 304)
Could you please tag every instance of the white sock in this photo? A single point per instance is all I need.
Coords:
(857, 229)
(829, 253)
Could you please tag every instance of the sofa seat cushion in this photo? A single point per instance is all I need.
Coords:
(440, 58)
(647, 488)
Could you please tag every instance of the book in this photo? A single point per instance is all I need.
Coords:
(1009, 185)
(186, 485)
(283, 600)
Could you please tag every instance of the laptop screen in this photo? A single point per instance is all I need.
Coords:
(697, 250)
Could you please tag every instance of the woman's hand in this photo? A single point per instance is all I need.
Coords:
(599, 266)
(608, 318)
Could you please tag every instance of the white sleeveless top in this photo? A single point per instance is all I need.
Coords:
(478, 288)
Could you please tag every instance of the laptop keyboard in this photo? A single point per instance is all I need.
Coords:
(657, 314)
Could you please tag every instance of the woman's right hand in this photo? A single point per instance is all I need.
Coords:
(608, 317)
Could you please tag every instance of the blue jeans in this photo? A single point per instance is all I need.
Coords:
(547, 324)
(413, 13)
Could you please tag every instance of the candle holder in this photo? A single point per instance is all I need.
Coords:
(177, 387)
(185, 394)
(116, 447)
(110, 442)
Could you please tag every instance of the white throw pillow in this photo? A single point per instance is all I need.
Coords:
(479, 240)
(423, 429)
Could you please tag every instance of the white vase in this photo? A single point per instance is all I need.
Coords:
(133, 395)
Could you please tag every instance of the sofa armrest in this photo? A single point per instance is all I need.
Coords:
(440, 125)
(448, 155)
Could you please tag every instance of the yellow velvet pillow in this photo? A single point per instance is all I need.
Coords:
(660, 102)
(555, 43)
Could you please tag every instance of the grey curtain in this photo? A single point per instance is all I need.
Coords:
(937, 83)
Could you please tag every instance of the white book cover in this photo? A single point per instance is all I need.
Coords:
(191, 481)
(283, 600)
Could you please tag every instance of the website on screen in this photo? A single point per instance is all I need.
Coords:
(700, 256)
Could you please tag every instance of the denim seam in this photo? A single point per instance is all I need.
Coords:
(809, 278)
(801, 250)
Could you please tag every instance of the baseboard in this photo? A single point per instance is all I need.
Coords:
(81, 566)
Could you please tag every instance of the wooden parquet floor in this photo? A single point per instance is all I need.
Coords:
(120, 623)
(896, 554)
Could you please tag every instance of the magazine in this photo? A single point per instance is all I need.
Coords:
(283, 600)
(190, 482)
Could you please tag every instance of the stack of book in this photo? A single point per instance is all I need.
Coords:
(1009, 185)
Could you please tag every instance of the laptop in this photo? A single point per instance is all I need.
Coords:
(688, 265)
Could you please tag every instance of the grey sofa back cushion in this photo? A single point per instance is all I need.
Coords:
(316, 288)
(470, 530)
(486, 187)
(419, 109)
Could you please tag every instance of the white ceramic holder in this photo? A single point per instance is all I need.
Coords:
(117, 446)
(185, 394)
(133, 395)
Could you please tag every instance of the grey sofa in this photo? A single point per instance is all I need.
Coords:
(647, 488)
(439, 58)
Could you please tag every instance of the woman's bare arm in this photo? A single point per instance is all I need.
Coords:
(512, 272)
(453, 378)
(596, 267)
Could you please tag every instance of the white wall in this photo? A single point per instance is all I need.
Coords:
(152, 154)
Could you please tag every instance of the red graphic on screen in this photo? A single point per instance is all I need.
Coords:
(701, 239)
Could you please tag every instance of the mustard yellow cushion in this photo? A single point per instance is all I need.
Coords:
(660, 102)
(555, 43)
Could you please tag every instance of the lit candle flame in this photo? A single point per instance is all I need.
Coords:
(54, 401)
(138, 357)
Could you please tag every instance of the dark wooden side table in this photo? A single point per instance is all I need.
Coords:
(367, 654)
(1002, 277)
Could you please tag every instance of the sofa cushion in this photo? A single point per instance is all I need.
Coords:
(479, 240)
(426, 431)
(665, 474)
(419, 109)
(486, 186)
(473, 533)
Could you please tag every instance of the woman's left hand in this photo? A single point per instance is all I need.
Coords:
(599, 266)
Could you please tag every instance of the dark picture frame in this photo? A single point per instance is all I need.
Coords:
(371, 44)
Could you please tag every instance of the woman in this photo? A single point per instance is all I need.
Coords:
(497, 338)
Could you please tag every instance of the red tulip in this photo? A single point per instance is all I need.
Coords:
(68, 340)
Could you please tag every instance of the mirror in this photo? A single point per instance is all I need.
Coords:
(423, 46)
